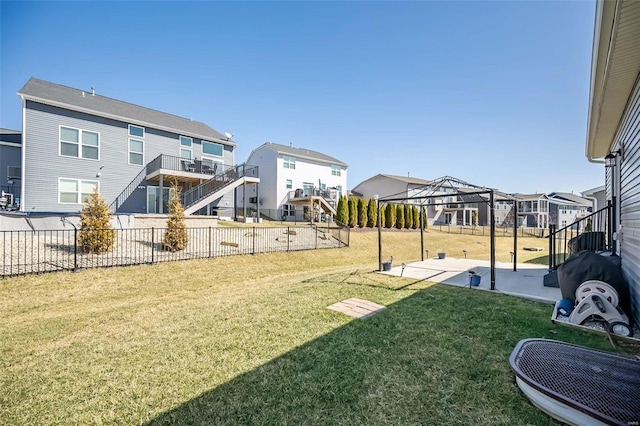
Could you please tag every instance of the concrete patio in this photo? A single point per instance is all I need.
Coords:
(526, 282)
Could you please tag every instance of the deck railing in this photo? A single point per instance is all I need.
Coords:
(592, 232)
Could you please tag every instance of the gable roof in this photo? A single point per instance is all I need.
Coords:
(522, 197)
(405, 179)
(573, 198)
(48, 93)
(303, 153)
(11, 137)
(592, 191)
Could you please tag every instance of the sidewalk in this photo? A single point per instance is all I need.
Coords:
(526, 282)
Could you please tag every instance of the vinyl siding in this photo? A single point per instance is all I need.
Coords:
(628, 138)
(44, 165)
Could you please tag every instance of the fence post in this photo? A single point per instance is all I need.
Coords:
(316, 238)
(551, 253)
(288, 238)
(209, 242)
(254, 241)
(75, 249)
(153, 244)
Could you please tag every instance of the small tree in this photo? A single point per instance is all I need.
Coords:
(96, 235)
(474, 218)
(372, 213)
(176, 238)
(416, 217)
(389, 215)
(342, 212)
(408, 216)
(400, 216)
(423, 213)
(362, 213)
(353, 212)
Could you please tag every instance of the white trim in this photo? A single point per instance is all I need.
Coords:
(129, 152)
(144, 131)
(202, 142)
(23, 153)
(119, 117)
(79, 181)
(11, 144)
(80, 131)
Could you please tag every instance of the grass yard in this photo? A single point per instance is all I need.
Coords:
(248, 340)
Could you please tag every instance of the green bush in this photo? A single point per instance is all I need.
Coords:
(400, 216)
(353, 212)
(362, 213)
(416, 217)
(389, 215)
(372, 213)
(342, 212)
(408, 216)
(96, 235)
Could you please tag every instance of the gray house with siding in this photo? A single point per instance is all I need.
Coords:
(613, 135)
(10, 164)
(75, 141)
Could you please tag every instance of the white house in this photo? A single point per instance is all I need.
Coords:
(613, 135)
(566, 208)
(296, 183)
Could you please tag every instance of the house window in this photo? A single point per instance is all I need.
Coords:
(336, 170)
(289, 184)
(288, 162)
(211, 148)
(186, 145)
(136, 152)
(339, 188)
(79, 143)
(14, 172)
(75, 191)
(288, 210)
(136, 131)
(564, 223)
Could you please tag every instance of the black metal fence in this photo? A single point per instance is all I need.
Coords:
(501, 231)
(592, 232)
(27, 252)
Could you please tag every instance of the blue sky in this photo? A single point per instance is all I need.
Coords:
(495, 93)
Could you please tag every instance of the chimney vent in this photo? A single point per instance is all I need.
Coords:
(93, 91)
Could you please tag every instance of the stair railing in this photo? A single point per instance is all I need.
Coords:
(592, 232)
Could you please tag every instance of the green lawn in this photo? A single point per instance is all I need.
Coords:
(248, 340)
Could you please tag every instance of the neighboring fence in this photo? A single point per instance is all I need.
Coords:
(26, 252)
(592, 232)
(501, 231)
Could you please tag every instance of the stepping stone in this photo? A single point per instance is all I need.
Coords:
(357, 308)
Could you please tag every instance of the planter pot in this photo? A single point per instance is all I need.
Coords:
(386, 266)
(442, 255)
(475, 280)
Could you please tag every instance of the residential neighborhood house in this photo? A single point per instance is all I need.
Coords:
(75, 141)
(566, 208)
(613, 136)
(444, 203)
(533, 210)
(10, 172)
(296, 183)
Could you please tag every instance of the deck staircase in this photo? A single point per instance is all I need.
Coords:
(219, 185)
